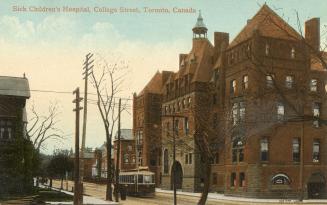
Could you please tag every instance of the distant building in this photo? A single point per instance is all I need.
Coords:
(88, 160)
(14, 92)
(127, 160)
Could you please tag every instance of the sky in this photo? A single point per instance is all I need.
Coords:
(50, 47)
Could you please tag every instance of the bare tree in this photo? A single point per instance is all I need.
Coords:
(42, 128)
(108, 84)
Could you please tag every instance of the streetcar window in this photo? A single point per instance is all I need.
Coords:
(140, 178)
(147, 179)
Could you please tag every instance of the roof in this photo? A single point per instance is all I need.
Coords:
(199, 27)
(268, 24)
(125, 134)
(14, 86)
(154, 85)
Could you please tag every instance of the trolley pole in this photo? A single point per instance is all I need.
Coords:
(78, 197)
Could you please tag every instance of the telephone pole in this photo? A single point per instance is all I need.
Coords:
(78, 187)
(88, 70)
(174, 153)
(118, 154)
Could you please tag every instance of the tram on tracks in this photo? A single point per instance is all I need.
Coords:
(138, 183)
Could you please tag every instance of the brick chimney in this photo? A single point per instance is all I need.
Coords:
(312, 33)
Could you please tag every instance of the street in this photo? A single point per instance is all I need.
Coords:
(98, 191)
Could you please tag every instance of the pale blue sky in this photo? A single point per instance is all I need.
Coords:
(50, 47)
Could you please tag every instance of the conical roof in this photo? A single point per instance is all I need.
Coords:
(200, 27)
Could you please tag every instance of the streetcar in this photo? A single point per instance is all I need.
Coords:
(138, 183)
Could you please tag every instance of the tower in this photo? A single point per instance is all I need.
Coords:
(200, 29)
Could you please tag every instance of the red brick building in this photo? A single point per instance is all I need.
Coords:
(147, 124)
(261, 100)
(127, 160)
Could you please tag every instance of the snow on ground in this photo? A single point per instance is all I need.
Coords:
(86, 200)
(222, 197)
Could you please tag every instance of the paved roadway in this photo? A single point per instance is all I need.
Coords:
(98, 191)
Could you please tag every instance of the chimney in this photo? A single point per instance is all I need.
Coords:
(221, 41)
(312, 33)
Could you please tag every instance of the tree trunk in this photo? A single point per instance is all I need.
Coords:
(50, 183)
(109, 170)
(207, 173)
(62, 183)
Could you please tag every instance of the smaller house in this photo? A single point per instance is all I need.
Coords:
(127, 159)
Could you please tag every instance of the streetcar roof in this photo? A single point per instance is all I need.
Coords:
(137, 173)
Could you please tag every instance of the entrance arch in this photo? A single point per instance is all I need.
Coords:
(178, 174)
(316, 186)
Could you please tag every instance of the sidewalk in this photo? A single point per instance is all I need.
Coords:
(87, 200)
(222, 197)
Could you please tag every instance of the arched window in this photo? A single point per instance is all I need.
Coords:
(166, 161)
(280, 179)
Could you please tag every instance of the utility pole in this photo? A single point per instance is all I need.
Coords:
(78, 197)
(87, 67)
(174, 161)
(118, 154)
(174, 154)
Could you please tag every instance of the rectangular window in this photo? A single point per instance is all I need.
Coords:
(186, 158)
(233, 87)
(233, 179)
(186, 126)
(267, 50)
(316, 151)
(245, 82)
(234, 113)
(176, 127)
(216, 158)
(190, 158)
(316, 114)
(296, 149)
(269, 80)
(264, 148)
(214, 178)
(313, 85)
(289, 81)
(292, 53)
(280, 111)
(242, 179)
(6, 129)
(242, 111)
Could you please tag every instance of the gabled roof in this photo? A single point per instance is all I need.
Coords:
(14, 86)
(268, 24)
(154, 85)
(203, 72)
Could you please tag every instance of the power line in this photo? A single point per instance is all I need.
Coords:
(60, 92)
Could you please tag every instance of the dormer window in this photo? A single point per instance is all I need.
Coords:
(267, 50)
(292, 53)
